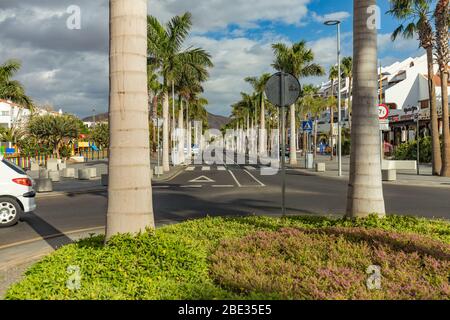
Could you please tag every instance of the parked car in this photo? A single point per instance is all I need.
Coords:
(17, 194)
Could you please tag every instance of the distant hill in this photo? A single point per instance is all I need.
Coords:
(102, 117)
(214, 121)
(217, 122)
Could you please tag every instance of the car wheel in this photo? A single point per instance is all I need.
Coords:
(10, 212)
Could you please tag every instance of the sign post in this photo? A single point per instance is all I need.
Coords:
(383, 115)
(283, 90)
(417, 118)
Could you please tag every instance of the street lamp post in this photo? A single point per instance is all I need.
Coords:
(337, 23)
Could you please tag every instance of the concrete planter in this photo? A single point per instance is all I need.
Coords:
(52, 165)
(43, 174)
(389, 175)
(33, 174)
(54, 176)
(84, 174)
(105, 180)
(320, 167)
(93, 172)
(68, 173)
(44, 185)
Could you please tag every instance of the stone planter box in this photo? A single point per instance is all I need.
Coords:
(44, 185)
(68, 173)
(84, 174)
(54, 176)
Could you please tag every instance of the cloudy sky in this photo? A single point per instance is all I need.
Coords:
(69, 68)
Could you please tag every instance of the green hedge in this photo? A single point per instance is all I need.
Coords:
(175, 262)
(408, 151)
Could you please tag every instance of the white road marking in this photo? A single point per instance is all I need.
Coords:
(234, 177)
(202, 179)
(161, 187)
(262, 184)
(250, 168)
(221, 168)
(223, 186)
(192, 186)
(206, 168)
(190, 168)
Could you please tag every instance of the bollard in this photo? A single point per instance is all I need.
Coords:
(44, 185)
(54, 176)
(105, 180)
(84, 174)
(68, 173)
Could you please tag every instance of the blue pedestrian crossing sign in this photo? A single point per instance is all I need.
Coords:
(307, 126)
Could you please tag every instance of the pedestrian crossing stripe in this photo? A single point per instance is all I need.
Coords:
(206, 168)
(221, 168)
(250, 168)
(190, 168)
(202, 179)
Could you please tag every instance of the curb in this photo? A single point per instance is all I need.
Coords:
(46, 250)
(170, 176)
(399, 182)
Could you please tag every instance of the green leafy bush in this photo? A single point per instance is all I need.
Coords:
(175, 261)
(408, 151)
(332, 263)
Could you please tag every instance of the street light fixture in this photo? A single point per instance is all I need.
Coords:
(337, 23)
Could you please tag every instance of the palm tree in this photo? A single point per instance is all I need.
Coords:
(442, 24)
(333, 75)
(365, 192)
(259, 85)
(347, 72)
(415, 18)
(165, 50)
(12, 89)
(130, 207)
(154, 90)
(298, 61)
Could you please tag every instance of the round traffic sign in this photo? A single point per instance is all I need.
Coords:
(383, 112)
(286, 96)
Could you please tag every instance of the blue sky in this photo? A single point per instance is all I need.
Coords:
(68, 69)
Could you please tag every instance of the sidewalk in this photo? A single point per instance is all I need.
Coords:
(404, 177)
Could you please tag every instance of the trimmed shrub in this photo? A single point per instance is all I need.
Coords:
(332, 264)
(175, 262)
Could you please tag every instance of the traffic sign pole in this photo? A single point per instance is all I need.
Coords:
(283, 143)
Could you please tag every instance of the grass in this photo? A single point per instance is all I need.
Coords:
(194, 260)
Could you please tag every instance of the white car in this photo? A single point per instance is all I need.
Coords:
(16, 193)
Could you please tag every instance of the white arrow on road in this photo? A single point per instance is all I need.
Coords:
(202, 179)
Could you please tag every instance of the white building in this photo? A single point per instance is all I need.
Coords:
(404, 88)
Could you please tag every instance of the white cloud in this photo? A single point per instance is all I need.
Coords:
(218, 14)
(340, 15)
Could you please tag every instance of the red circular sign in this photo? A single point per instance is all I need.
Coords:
(383, 112)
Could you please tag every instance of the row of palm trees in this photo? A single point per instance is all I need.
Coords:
(417, 18)
(183, 71)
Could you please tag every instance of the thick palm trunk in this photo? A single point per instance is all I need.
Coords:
(262, 129)
(365, 193)
(445, 172)
(130, 208)
(292, 144)
(436, 146)
(165, 157)
(442, 25)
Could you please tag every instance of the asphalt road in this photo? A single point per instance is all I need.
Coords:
(224, 190)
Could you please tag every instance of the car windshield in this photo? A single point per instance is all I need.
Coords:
(13, 167)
